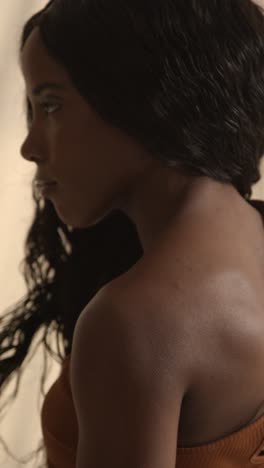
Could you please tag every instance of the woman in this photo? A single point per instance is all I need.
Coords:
(156, 110)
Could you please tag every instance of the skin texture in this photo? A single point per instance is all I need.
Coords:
(98, 167)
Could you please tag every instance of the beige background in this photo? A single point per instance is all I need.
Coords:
(21, 425)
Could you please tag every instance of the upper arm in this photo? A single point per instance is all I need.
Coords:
(127, 395)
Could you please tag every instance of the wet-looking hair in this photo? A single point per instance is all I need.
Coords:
(185, 78)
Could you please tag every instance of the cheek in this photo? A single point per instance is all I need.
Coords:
(90, 155)
(69, 150)
(75, 167)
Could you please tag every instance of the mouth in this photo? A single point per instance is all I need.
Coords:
(45, 188)
(40, 182)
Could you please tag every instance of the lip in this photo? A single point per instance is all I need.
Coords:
(40, 182)
(46, 189)
(43, 180)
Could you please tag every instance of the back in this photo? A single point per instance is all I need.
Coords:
(214, 287)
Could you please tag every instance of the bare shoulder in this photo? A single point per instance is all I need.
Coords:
(126, 373)
(174, 313)
(161, 316)
(191, 312)
(126, 314)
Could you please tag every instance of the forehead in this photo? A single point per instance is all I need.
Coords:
(36, 64)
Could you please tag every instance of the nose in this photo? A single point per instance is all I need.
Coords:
(31, 150)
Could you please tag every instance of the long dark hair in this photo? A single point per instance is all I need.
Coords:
(63, 269)
(186, 80)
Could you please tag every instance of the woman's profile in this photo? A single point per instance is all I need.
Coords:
(145, 125)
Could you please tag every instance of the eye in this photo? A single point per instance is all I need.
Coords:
(48, 108)
(47, 105)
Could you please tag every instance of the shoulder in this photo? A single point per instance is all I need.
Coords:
(129, 324)
(180, 314)
(126, 389)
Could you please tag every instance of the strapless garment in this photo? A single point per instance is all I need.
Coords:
(241, 449)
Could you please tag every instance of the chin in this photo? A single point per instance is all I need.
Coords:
(77, 221)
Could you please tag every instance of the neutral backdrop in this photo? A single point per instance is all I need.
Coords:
(21, 426)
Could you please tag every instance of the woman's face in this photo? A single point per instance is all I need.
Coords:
(96, 166)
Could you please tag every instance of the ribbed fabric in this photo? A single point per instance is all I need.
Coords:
(59, 422)
(241, 449)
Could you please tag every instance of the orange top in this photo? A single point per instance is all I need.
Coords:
(241, 449)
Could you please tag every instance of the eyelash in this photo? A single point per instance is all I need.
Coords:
(43, 105)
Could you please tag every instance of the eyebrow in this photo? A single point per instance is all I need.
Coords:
(43, 86)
